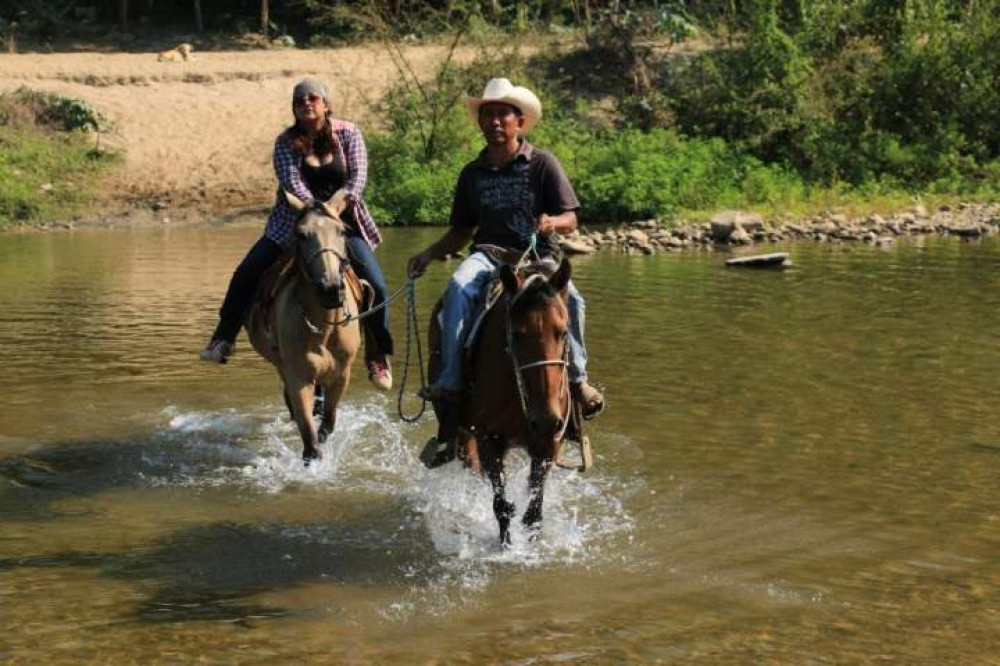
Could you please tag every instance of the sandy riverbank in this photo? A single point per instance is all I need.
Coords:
(197, 135)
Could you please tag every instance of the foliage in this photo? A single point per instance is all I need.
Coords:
(48, 166)
(619, 175)
(27, 106)
(856, 92)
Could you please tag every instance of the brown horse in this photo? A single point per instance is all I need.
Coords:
(520, 394)
(302, 332)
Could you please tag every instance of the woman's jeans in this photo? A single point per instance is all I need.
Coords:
(462, 297)
(378, 339)
(243, 288)
(263, 255)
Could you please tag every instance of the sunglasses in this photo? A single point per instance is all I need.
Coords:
(311, 98)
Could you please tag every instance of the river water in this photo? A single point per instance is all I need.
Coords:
(795, 467)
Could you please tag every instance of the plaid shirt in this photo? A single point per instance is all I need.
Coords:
(288, 169)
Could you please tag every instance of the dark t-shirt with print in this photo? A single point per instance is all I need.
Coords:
(504, 204)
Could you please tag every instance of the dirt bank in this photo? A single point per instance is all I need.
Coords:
(197, 135)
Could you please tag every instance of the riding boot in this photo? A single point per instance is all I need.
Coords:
(443, 448)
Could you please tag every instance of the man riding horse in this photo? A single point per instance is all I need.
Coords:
(510, 200)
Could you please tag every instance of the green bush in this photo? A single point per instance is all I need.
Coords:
(618, 175)
(859, 92)
(48, 164)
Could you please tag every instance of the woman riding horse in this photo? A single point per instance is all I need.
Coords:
(313, 159)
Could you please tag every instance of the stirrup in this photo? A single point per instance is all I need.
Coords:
(581, 464)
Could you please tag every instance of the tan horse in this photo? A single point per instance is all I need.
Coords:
(302, 333)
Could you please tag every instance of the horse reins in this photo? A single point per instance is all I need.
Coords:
(344, 260)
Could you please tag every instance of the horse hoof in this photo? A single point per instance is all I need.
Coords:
(309, 455)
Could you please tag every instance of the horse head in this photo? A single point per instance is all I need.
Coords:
(321, 247)
(537, 343)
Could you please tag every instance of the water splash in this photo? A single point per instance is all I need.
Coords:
(585, 522)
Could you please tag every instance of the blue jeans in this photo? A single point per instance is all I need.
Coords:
(462, 297)
(378, 339)
(243, 288)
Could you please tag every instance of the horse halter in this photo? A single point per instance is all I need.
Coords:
(305, 262)
(519, 368)
(323, 249)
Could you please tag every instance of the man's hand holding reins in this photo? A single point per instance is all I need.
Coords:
(562, 223)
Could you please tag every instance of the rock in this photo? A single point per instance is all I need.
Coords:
(772, 260)
(966, 232)
(573, 246)
(884, 241)
(739, 236)
(723, 224)
(638, 237)
(825, 227)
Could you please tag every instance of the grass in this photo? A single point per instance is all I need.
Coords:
(50, 166)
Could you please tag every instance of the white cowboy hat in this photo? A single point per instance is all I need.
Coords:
(503, 92)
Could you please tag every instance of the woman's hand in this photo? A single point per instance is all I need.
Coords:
(342, 205)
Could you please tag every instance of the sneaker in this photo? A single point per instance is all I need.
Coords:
(218, 351)
(591, 400)
(379, 374)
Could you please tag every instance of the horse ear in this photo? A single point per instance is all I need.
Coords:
(333, 203)
(509, 279)
(560, 278)
(293, 201)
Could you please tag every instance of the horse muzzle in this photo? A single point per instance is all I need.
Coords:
(331, 295)
(545, 425)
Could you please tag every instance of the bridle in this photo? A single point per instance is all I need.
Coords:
(519, 368)
(316, 254)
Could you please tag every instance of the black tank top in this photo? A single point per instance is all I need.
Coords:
(324, 180)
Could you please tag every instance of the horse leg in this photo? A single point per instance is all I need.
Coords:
(333, 392)
(491, 456)
(300, 395)
(536, 489)
(468, 447)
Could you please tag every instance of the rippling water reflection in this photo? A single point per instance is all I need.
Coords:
(796, 467)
